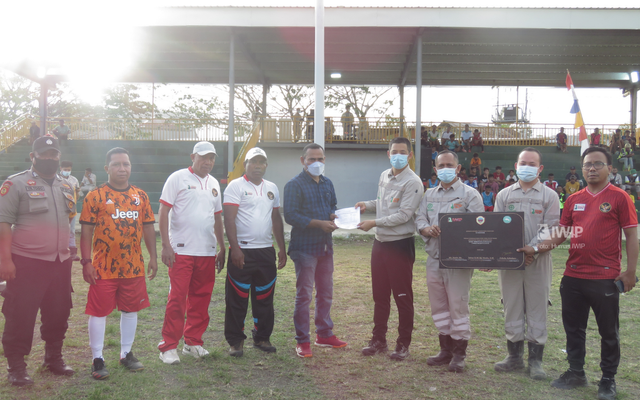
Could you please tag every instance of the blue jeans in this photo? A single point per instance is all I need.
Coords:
(627, 163)
(309, 269)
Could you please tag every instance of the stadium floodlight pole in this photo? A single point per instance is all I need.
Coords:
(232, 93)
(318, 118)
(418, 151)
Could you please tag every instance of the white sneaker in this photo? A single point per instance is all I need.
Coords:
(194, 351)
(170, 357)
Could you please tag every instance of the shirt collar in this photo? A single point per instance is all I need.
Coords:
(400, 175)
(454, 186)
(309, 178)
(537, 187)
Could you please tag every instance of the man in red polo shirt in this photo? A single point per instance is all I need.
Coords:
(597, 215)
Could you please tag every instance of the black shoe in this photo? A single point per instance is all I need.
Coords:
(58, 367)
(444, 356)
(237, 350)
(265, 346)
(18, 376)
(607, 389)
(570, 380)
(99, 370)
(401, 353)
(375, 346)
(53, 360)
(131, 362)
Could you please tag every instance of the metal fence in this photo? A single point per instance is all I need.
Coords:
(286, 129)
(382, 130)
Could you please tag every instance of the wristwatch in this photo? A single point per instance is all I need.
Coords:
(86, 261)
(535, 250)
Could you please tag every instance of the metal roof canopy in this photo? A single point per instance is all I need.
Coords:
(376, 46)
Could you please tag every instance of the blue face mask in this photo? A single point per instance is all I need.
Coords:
(446, 175)
(316, 169)
(399, 161)
(66, 174)
(527, 173)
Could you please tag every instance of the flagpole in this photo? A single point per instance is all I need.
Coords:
(575, 109)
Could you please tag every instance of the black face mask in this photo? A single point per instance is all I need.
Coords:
(46, 166)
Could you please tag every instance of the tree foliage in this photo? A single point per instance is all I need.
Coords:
(18, 96)
(363, 99)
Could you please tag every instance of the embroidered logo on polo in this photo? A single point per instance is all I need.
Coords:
(429, 206)
(214, 192)
(579, 207)
(605, 207)
(511, 207)
(270, 195)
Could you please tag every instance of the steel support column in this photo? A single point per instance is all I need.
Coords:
(44, 108)
(263, 108)
(418, 102)
(232, 95)
(401, 90)
(318, 121)
(634, 108)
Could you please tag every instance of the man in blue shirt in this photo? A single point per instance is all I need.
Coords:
(309, 207)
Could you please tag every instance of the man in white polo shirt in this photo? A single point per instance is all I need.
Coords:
(251, 213)
(191, 231)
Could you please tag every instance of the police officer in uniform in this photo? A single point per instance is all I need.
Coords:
(35, 260)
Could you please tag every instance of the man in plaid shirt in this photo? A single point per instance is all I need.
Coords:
(309, 207)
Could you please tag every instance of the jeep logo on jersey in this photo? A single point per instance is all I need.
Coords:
(270, 195)
(125, 214)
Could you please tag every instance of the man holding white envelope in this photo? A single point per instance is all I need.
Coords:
(393, 254)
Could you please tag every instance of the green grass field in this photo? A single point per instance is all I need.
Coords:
(330, 374)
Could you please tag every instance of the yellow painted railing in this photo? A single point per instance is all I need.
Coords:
(382, 130)
(14, 131)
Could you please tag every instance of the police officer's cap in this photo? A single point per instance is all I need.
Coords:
(44, 143)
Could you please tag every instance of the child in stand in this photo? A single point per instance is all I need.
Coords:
(562, 196)
(488, 198)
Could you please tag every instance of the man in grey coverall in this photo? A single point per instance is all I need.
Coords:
(530, 286)
(448, 288)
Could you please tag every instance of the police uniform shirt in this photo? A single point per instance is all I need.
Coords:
(194, 201)
(39, 213)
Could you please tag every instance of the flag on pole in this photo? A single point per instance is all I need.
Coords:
(575, 109)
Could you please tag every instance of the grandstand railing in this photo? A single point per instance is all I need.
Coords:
(289, 130)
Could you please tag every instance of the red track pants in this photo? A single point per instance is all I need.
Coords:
(192, 279)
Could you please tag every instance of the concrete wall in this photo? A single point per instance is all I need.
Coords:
(353, 171)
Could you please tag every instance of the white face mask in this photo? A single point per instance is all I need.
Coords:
(316, 169)
(527, 173)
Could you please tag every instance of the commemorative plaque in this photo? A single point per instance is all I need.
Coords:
(481, 240)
